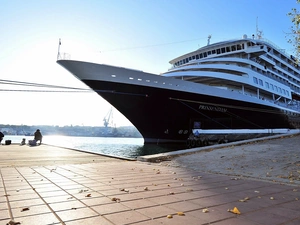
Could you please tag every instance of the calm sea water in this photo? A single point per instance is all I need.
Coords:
(121, 147)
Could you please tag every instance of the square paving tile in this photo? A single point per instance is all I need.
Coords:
(21, 192)
(126, 217)
(92, 220)
(110, 208)
(61, 198)
(29, 211)
(291, 205)
(183, 206)
(26, 203)
(4, 215)
(213, 215)
(68, 205)
(42, 219)
(284, 212)
(180, 220)
(265, 217)
(97, 201)
(184, 196)
(294, 222)
(149, 222)
(164, 199)
(237, 221)
(12, 196)
(75, 214)
(87, 194)
(211, 201)
(156, 211)
(138, 204)
(53, 194)
(3, 205)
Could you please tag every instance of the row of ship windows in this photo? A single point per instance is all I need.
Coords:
(270, 86)
(214, 51)
(139, 79)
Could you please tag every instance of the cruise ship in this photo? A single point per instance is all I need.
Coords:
(245, 85)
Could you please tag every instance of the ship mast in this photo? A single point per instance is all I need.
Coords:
(58, 52)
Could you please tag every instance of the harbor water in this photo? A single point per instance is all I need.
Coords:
(120, 147)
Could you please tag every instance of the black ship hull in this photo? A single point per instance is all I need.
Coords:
(165, 116)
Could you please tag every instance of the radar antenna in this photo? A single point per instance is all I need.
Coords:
(208, 39)
(259, 33)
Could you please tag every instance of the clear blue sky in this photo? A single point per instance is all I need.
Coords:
(139, 34)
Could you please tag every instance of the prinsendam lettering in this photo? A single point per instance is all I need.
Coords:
(212, 108)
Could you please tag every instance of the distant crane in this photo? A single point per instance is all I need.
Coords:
(108, 119)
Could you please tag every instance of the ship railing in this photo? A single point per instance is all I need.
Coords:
(293, 105)
(63, 56)
(274, 46)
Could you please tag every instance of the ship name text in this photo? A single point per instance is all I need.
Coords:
(212, 108)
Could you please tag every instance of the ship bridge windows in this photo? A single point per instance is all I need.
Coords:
(260, 82)
(226, 49)
(255, 80)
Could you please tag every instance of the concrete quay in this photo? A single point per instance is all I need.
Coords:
(50, 185)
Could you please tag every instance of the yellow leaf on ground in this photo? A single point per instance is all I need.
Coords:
(180, 214)
(205, 210)
(235, 211)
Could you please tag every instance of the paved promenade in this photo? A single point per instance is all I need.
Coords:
(48, 185)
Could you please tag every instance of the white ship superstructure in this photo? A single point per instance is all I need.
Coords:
(252, 67)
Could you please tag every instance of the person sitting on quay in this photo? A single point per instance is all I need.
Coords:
(38, 136)
(1, 137)
(23, 142)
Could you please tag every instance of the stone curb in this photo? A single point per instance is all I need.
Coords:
(169, 155)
